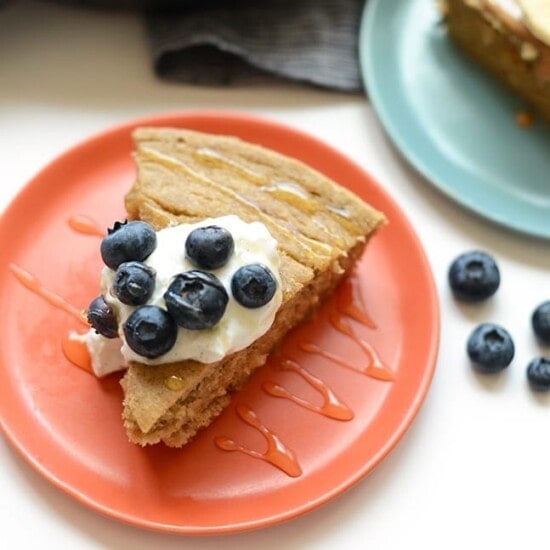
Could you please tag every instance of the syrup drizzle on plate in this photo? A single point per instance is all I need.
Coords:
(74, 350)
(332, 406)
(85, 225)
(376, 368)
(277, 453)
(77, 353)
(350, 302)
(33, 284)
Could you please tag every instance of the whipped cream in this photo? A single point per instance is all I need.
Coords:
(239, 326)
(104, 352)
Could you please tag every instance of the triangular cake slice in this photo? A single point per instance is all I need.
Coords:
(321, 230)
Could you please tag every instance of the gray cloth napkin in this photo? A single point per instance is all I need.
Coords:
(227, 42)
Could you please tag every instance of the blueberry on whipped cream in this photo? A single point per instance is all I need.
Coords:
(253, 285)
(150, 331)
(196, 300)
(134, 283)
(209, 247)
(101, 318)
(128, 241)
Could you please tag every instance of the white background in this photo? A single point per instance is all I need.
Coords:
(472, 471)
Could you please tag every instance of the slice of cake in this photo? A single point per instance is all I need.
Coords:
(511, 39)
(257, 239)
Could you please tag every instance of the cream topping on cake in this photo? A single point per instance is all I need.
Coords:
(239, 326)
(105, 353)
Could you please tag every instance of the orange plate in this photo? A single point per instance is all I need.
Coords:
(67, 424)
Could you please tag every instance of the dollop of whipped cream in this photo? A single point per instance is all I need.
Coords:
(237, 329)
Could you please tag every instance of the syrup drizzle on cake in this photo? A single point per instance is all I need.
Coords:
(290, 193)
(308, 245)
(209, 156)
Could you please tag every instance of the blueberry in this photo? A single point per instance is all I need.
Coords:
(102, 318)
(490, 347)
(474, 276)
(538, 373)
(209, 247)
(128, 241)
(253, 285)
(541, 322)
(196, 300)
(134, 283)
(150, 331)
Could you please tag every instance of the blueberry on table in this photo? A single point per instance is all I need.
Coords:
(490, 348)
(538, 373)
(209, 247)
(150, 331)
(196, 299)
(128, 241)
(540, 321)
(102, 318)
(134, 283)
(253, 285)
(474, 276)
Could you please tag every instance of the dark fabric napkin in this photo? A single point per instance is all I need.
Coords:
(227, 42)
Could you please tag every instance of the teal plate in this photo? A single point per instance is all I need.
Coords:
(454, 123)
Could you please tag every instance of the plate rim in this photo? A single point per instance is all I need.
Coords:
(415, 160)
(390, 443)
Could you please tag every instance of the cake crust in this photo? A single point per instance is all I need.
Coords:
(321, 229)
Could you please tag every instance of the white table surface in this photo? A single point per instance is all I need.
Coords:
(471, 472)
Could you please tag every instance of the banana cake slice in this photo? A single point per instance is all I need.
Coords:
(317, 230)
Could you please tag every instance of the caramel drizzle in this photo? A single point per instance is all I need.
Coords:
(175, 383)
(332, 406)
(85, 225)
(374, 371)
(33, 284)
(376, 368)
(277, 453)
(209, 156)
(287, 192)
(166, 160)
(75, 351)
(290, 193)
(339, 211)
(350, 302)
